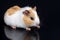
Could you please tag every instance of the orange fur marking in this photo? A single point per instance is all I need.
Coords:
(27, 19)
(13, 9)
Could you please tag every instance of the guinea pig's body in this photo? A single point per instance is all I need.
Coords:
(14, 19)
(17, 17)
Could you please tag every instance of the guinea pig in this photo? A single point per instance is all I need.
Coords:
(22, 17)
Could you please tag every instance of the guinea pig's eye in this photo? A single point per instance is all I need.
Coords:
(31, 18)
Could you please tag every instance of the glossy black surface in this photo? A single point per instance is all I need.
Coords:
(42, 9)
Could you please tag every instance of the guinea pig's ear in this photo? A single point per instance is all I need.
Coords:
(26, 12)
(34, 8)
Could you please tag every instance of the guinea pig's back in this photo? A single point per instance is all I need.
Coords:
(14, 19)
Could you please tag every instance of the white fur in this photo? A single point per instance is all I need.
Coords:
(16, 19)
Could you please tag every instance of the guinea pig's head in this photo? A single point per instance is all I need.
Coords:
(30, 17)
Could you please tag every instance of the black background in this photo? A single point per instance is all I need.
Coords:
(46, 10)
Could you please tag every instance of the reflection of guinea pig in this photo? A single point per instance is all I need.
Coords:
(24, 17)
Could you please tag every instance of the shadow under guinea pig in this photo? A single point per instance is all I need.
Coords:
(21, 34)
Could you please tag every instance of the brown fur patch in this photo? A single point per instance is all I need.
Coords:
(27, 19)
(11, 10)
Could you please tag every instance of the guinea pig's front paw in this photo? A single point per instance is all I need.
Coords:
(13, 27)
(38, 26)
(28, 29)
